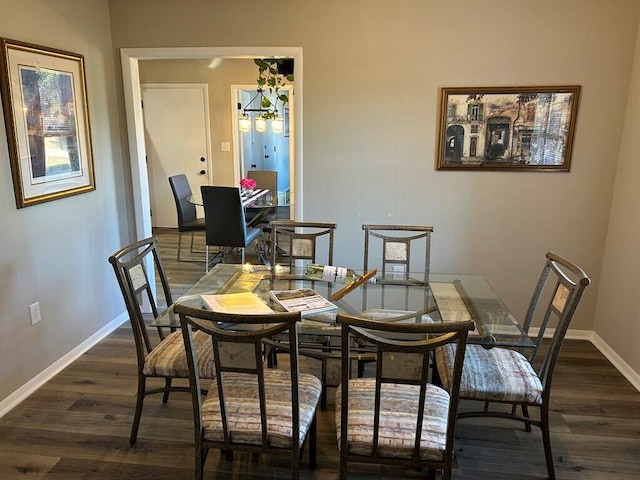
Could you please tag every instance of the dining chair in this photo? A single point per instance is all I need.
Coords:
(505, 376)
(167, 359)
(301, 242)
(392, 254)
(266, 179)
(400, 417)
(187, 217)
(225, 222)
(249, 407)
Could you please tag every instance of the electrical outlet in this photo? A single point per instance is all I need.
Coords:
(34, 312)
(225, 146)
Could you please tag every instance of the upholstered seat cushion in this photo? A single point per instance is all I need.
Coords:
(243, 408)
(494, 375)
(193, 225)
(398, 412)
(169, 357)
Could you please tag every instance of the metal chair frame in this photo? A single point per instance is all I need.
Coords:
(568, 282)
(259, 329)
(389, 340)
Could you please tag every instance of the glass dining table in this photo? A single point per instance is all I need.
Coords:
(444, 297)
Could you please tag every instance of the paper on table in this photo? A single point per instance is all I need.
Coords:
(304, 300)
(244, 303)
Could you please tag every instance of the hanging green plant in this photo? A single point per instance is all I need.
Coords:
(271, 80)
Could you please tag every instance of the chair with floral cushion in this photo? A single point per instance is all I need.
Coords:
(167, 359)
(505, 376)
(398, 417)
(249, 407)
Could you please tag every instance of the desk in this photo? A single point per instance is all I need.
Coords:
(447, 297)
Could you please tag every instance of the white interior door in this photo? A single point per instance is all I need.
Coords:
(176, 121)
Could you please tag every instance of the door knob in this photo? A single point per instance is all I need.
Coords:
(202, 172)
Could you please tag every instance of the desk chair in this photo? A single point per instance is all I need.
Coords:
(225, 222)
(398, 417)
(249, 407)
(187, 219)
(394, 250)
(167, 359)
(504, 376)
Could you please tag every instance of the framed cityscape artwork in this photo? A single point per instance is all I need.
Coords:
(44, 98)
(507, 128)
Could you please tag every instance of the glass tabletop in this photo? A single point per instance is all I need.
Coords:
(445, 297)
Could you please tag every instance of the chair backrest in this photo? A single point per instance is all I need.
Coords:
(554, 301)
(394, 250)
(225, 222)
(181, 193)
(266, 179)
(403, 356)
(129, 265)
(239, 351)
(300, 241)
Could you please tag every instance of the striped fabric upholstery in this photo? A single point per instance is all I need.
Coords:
(243, 408)
(169, 357)
(397, 419)
(493, 375)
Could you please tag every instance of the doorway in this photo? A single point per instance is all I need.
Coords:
(135, 128)
(267, 150)
(176, 120)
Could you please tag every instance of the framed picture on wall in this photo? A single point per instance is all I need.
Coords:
(46, 115)
(507, 128)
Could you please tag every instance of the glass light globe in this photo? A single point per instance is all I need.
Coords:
(277, 125)
(261, 124)
(244, 123)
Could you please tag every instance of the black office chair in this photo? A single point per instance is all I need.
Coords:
(226, 225)
(187, 219)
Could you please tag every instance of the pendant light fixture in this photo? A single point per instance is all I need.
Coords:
(272, 74)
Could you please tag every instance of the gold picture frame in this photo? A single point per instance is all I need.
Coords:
(44, 98)
(507, 128)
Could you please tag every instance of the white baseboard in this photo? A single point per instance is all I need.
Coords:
(48, 373)
(623, 367)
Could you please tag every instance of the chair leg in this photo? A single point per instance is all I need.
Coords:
(313, 443)
(138, 413)
(546, 440)
(200, 459)
(525, 413)
(167, 387)
(179, 245)
(192, 235)
(323, 393)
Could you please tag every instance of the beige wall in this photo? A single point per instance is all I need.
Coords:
(617, 319)
(219, 80)
(56, 253)
(372, 70)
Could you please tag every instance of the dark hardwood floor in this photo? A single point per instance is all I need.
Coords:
(77, 425)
